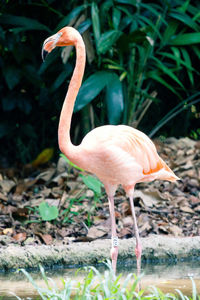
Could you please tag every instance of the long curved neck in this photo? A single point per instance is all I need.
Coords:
(64, 140)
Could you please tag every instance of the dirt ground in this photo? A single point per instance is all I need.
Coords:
(164, 210)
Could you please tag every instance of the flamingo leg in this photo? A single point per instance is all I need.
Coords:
(114, 248)
(138, 249)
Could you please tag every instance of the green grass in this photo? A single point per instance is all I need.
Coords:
(98, 286)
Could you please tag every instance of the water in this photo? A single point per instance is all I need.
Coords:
(167, 277)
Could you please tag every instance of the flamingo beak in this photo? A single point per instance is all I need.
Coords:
(44, 54)
(49, 44)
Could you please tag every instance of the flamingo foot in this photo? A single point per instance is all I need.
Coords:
(138, 253)
(114, 255)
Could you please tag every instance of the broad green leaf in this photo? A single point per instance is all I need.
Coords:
(73, 14)
(107, 40)
(12, 76)
(91, 88)
(114, 100)
(84, 26)
(92, 183)
(26, 23)
(47, 212)
(116, 17)
(186, 39)
(95, 21)
(184, 18)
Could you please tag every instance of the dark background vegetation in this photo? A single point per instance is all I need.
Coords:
(142, 70)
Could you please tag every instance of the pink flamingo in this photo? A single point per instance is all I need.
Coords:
(115, 154)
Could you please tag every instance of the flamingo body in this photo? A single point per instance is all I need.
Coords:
(123, 155)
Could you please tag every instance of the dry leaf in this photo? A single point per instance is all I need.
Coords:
(47, 175)
(175, 230)
(186, 209)
(6, 185)
(3, 197)
(8, 231)
(24, 185)
(20, 237)
(46, 238)
(43, 157)
(149, 199)
(98, 231)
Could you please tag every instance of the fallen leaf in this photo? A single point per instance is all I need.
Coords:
(43, 157)
(127, 221)
(46, 175)
(149, 199)
(7, 185)
(7, 231)
(186, 209)
(3, 197)
(46, 238)
(145, 227)
(20, 237)
(175, 230)
(24, 185)
(124, 232)
(98, 231)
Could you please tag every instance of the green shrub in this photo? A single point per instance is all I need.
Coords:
(140, 55)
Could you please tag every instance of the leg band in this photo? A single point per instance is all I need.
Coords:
(115, 241)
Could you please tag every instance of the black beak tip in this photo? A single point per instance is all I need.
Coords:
(44, 54)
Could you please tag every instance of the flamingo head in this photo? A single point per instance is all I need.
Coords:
(65, 37)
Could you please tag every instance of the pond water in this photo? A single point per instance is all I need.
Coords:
(167, 277)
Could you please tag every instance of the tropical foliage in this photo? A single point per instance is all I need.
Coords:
(139, 55)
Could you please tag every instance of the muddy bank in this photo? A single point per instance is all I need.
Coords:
(155, 249)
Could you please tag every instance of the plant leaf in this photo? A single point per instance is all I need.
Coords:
(71, 163)
(91, 87)
(114, 100)
(186, 39)
(189, 64)
(184, 18)
(92, 183)
(116, 17)
(73, 14)
(107, 39)
(47, 212)
(95, 21)
(167, 71)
